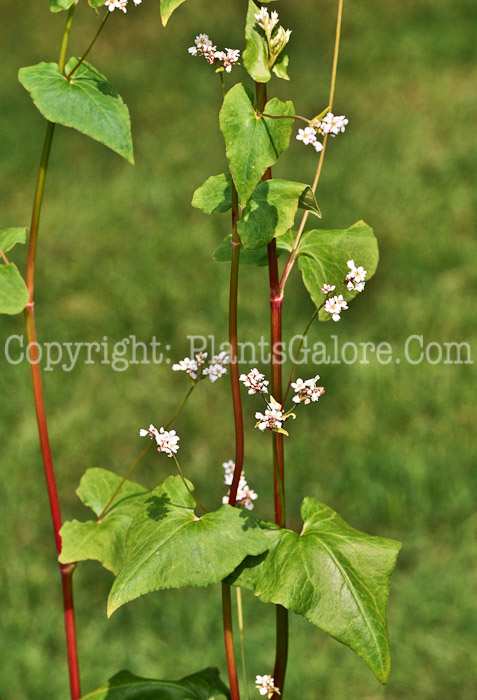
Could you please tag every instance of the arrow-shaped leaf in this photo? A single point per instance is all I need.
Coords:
(169, 546)
(333, 575)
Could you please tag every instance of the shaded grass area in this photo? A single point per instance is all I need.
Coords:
(390, 447)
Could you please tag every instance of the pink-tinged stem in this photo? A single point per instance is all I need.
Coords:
(239, 439)
(276, 301)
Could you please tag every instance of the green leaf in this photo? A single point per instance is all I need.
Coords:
(331, 574)
(271, 210)
(215, 195)
(86, 102)
(104, 541)
(281, 65)
(96, 3)
(255, 258)
(205, 685)
(252, 143)
(169, 546)
(167, 8)
(322, 257)
(13, 291)
(58, 5)
(255, 56)
(9, 237)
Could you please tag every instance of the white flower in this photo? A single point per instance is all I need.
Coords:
(307, 391)
(203, 47)
(272, 418)
(327, 288)
(186, 365)
(333, 125)
(200, 358)
(228, 58)
(266, 686)
(255, 382)
(122, 5)
(318, 146)
(355, 277)
(307, 135)
(166, 441)
(335, 306)
(152, 432)
(214, 372)
(112, 4)
(137, 2)
(266, 22)
(245, 495)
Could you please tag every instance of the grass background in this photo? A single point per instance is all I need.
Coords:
(123, 252)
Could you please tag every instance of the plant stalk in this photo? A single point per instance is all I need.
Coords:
(276, 301)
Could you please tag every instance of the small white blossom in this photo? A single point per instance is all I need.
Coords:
(245, 495)
(307, 135)
(335, 306)
(327, 288)
(187, 365)
(266, 22)
(333, 125)
(255, 382)
(152, 432)
(123, 5)
(228, 58)
(307, 391)
(266, 686)
(112, 4)
(280, 40)
(216, 367)
(166, 441)
(200, 358)
(203, 47)
(272, 418)
(355, 277)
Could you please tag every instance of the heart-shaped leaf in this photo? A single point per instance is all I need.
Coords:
(9, 237)
(169, 546)
(205, 685)
(13, 291)
(215, 195)
(87, 102)
(271, 209)
(104, 541)
(253, 143)
(322, 258)
(331, 574)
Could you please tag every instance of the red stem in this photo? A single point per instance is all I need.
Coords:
(229, 642)
(276, 300)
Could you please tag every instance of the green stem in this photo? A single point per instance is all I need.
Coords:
(242, 641)
(184, 481)
(294, 251)
(143, 454)
(93, 42)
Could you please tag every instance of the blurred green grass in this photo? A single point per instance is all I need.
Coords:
(123, 252)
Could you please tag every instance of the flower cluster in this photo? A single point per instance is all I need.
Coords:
(277, 37)
(192, 366)
(335, 306)
(308, 136)
(266, 686)
(330, 124)
(355, 278)
(245, 495)
(273, 418)
(255, 381)
(203, 46)
(328, 288)
(216, 366)
(166, 440)
(119, 4)
(307, 391)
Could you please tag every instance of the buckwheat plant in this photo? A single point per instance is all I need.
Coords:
(331, 574)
